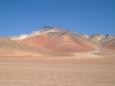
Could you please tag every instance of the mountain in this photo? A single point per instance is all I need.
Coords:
(54, 41)
(100, 38)
(59, 40)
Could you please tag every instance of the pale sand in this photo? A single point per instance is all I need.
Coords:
(56, 71)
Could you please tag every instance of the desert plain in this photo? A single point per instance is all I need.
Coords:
(57, 71)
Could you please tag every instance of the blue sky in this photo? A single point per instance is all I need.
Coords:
(84, 16)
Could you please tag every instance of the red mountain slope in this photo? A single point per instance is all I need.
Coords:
(61, 41)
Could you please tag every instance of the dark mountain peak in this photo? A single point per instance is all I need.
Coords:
(46, 28)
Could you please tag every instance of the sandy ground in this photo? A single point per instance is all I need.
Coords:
(55, 71)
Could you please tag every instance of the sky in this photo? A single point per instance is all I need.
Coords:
(83, 16)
